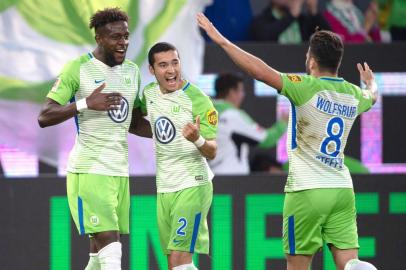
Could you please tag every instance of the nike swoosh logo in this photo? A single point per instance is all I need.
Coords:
(176, 241)
(98, 81)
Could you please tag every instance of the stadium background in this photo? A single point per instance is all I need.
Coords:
(245, 220)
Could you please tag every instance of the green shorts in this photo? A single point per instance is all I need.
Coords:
(182, 219)
(99, 203)
(311, 216)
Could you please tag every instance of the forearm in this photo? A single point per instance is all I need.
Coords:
(372, 87)
(209, 149)
(53, 114)
(142, 128)
(251, 64)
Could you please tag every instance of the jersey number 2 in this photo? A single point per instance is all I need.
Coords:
(333, 136)
(180, 230)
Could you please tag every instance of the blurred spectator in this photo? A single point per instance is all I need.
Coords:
(264, 162)
(393, 17)
(236, 130)
(347, 20)
(284, 21)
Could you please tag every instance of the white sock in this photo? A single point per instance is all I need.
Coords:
(93, 263)
(110, 257)
(189, 266)
(356, 264)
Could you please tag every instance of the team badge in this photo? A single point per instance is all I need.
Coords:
(94, 220)
(165, 130)
(212, 117)
(294, 78)
(120, 115)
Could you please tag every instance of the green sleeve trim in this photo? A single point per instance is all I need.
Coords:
(68, 82)
(273, 134)
(203, 106)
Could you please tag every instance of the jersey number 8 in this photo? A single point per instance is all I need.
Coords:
(333, 136)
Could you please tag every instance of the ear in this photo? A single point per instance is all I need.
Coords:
(313, 64)
(97, 37)
(151, 70)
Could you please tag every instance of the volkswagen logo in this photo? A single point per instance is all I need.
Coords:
(119, 115)
(164, 129)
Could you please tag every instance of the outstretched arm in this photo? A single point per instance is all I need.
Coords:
(367, 76)
(53, 113)
(208, 148)
(254, 66)
(139, 125)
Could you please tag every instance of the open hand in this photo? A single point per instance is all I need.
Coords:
(366, 74)
(211, 31)
(191, 131)
(99, 101)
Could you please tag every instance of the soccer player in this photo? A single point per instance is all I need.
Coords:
(319, 201)
(184, 124)
(101, 87)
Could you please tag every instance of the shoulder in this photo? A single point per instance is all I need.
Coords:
(75, 64)
(130, 64)
(150, 87)
(194, 92)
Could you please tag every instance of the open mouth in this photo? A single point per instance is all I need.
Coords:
(120, 52)
(171, 81)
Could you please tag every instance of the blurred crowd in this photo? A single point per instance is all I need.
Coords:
(293, 21)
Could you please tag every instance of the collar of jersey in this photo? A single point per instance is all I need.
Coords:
(334, 79)
(91, 56)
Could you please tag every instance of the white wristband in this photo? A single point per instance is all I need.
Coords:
(199, 142)
(81, 105)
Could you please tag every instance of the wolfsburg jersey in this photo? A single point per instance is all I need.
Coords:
(179, 163)
(101, 141)
(321, 116)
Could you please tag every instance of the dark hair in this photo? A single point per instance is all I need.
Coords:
(327, 48)
(225, 82)
(105, 16)
(157, 48)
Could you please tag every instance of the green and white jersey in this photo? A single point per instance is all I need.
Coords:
(322, 113)
(180, 164)
(101, 143)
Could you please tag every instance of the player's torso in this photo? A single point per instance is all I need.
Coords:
(101, 145)
(179, 162)
(317, 136)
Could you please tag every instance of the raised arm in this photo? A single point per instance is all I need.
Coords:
(367, 76)
(251, 64)
(52, 113)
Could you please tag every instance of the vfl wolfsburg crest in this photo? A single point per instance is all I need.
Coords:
(164, 130)
(119, 115)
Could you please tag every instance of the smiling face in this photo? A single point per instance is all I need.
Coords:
(112, 40)
(166, 69)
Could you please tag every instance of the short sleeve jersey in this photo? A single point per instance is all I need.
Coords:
(322, 113)
(101, 143)
(180, 164)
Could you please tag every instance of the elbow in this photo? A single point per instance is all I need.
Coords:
(212, 154)
(42, 121)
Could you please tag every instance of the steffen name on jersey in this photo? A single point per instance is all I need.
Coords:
(335, 108)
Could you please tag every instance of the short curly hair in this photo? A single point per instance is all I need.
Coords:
(105, 16)
(328, 49)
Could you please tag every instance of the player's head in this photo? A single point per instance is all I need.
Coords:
(111, 28)
(230, 86)
(356, 264)
(325, 52)
(164, 64)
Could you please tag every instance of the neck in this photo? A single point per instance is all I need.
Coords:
(99, 55)
(166, 91)
(318, 74)
(231, 101)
